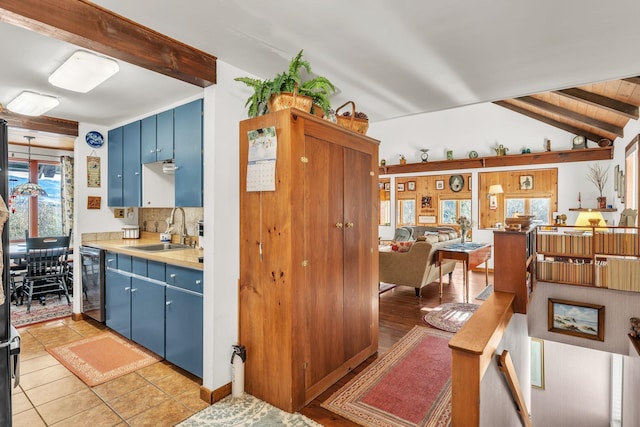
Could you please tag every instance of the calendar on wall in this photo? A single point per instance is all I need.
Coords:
(263, 153)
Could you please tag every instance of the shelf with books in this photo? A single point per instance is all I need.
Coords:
(607, 257)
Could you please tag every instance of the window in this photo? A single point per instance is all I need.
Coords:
(540, 207)
(41, 215)
(451, 210)
(406, 214)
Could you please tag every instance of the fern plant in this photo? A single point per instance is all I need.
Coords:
(318, 88)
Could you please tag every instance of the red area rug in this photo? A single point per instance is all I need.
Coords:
(451, 316)
(409, 386)
(54, 308)
(103, 357)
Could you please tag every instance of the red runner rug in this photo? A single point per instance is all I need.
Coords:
(103, 357)
(410, 385)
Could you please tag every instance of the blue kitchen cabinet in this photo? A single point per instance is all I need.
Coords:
(188, 154)
(183, 320)
(148, 137)
(147, 314)
(131, 165)
(156, 137)
(114, 169)
(118, 301)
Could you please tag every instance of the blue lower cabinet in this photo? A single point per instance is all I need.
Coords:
(118, 302)
(147, 314)
(183, 323)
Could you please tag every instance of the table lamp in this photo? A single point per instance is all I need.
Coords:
(588, 219)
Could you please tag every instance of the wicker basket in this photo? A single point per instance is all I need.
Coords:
(284, 100)
(351, 122)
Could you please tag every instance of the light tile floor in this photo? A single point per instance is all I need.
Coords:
(50, 395)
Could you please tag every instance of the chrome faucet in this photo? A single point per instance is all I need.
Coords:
(183, 232)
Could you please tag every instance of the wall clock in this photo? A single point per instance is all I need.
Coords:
(579, 141)
(456, 183)
(94, 139)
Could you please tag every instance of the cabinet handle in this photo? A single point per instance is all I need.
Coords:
(136, 173)
(158, 150)
(134, 289)
(175, 168)
(168, 302)
(119, 175)
(152, 151)
(172, 275)
(109, 261)
(338, 225)
(349, 224)
(127, 288)
(198, 282)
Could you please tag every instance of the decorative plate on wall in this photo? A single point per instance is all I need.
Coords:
(94, 139)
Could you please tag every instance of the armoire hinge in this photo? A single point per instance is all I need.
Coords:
(305, 263)
(304, 159)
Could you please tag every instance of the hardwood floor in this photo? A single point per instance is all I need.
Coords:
(400, 311)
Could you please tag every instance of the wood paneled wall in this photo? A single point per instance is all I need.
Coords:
(544, 183)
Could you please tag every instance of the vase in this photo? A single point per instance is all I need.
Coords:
(602, 202)
(463, 236)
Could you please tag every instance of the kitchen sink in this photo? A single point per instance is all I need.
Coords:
(157, 247)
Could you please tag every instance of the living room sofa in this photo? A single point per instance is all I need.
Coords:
(418, 266)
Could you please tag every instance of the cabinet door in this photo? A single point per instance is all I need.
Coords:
(188, 153)
(114, 178)
(164, 141)
(147, 314)
(359, 280)
(132, 165)
(323, 292)
(118, 302)
(183, 318)
(148, 139)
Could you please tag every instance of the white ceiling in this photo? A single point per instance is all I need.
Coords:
(392, 58)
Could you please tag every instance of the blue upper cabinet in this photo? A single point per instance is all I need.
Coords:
(164, 141)
(132, 165)
(114, 180)
(148, 136)
(188, 154)
(156, 136)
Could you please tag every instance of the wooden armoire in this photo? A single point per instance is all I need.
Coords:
(308, 259)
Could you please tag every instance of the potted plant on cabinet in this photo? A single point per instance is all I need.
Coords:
(288, 90)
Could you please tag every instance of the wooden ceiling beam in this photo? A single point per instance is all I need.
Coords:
(572, 129)
(555, 109)
(609, 104)
(634, 80)
(40, 123)
(87, 25)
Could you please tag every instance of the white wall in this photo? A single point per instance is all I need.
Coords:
(577, 388)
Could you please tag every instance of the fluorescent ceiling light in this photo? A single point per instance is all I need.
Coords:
(83, 71)
(32, 104)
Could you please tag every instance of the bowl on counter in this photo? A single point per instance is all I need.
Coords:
(523, 221)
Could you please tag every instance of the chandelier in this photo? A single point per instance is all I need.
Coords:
(29, 188)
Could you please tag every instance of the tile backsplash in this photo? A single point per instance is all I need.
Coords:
(155, 219)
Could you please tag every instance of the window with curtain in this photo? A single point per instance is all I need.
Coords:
(41, 215)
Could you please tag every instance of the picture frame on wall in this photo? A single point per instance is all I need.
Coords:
(578, 319)
(616, 173)
(387, 186)
(440, 184)
(401, 186)
(411, 186)
(537, 363)
(526, 182)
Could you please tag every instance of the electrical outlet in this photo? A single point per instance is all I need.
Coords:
(118, 213)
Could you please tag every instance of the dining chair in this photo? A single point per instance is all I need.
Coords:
(47, 270)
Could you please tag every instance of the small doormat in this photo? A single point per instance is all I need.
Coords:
(409, 386)
(451, 316)
(246, 411)
(101, 358)
(486, 293)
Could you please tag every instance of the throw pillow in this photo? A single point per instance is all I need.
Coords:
(405, 246)
(432, 238)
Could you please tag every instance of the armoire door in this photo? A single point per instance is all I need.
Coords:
(358, 274)
(323, 240)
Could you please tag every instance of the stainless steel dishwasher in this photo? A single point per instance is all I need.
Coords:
(92, 262)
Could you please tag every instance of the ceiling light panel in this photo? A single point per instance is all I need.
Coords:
(32, 104)
(83, 71)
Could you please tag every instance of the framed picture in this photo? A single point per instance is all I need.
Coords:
(426, 201)
(401, 186)
(411, 186)
(469, 183)
(426, 219)
(616, 172)
(387, 186)
(576, 318)
(440, 184)
(620, 182)
(526, 182)
(537, 363)
(93, 202)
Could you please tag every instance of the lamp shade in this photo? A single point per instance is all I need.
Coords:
(28, 189)
(586, 217)
(495, 189)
